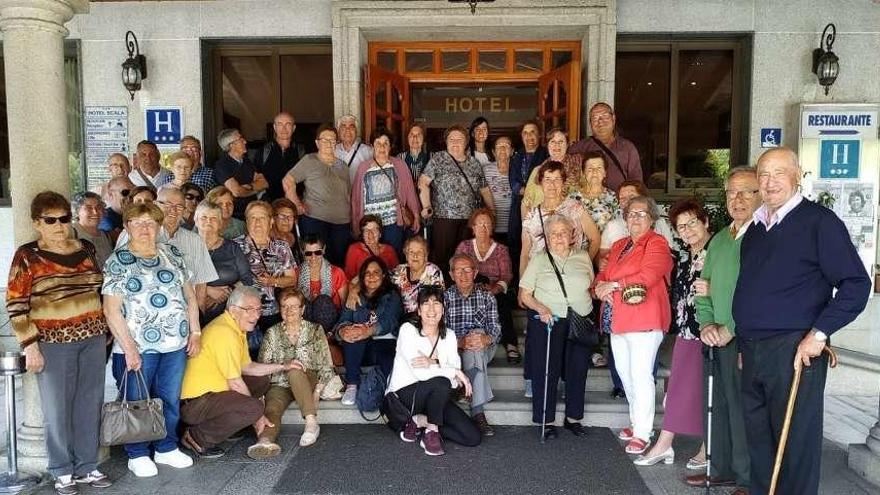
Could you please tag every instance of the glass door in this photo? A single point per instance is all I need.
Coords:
(559, 99)
(388, 104)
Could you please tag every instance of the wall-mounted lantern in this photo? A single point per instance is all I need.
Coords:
(134, 69)
(825, 62)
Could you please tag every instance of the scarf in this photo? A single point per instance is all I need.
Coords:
(305, 279)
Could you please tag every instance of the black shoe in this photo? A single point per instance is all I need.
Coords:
(575, 428)
(484, 426)
(550, 432)
(205, 453)
(618, 392)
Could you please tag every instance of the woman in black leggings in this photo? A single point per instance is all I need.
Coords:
(426, 369)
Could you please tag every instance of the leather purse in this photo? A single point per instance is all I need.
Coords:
(124, 421)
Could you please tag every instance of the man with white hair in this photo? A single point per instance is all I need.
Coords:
(222, 388)
(235, 171)
(793, 258)
(350, 149)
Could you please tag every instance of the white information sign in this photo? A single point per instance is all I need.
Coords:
(106, 130)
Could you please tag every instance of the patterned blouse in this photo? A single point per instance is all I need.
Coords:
(310, 349)
(153, 300)
(687, 269)
(274, 261)
(571, 209)
(496, 265)
(602, 209)
(409, 289)
(452, 196)
(534, 195)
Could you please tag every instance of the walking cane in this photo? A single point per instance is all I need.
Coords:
(546, 374)
(710, 396)
(789, 410)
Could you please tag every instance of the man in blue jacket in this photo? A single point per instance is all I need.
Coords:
(792, 259)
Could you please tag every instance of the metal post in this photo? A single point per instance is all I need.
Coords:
(13, 481)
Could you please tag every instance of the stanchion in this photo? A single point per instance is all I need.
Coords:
(13, 480)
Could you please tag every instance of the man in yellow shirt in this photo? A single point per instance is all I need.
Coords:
(222, 387)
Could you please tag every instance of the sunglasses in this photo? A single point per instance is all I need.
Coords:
(318, 252)
(124, 192)
(193, 197)
(52, 220)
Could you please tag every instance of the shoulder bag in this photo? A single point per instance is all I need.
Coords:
(610, 154)
(405, 213)
(395, 411)
(477, 197)
(124, 421)
(581, 329)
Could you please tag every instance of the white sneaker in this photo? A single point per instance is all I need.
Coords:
(174, 458)
(349, 396)
(142, 467)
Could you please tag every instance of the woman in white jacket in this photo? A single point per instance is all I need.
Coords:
(426, 369)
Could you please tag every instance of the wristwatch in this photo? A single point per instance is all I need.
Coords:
(820, 336)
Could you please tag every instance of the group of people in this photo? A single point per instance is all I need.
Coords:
(237, 289)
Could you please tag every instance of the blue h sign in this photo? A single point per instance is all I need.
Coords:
(164, 125)
(839, 159)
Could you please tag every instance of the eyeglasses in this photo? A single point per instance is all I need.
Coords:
(746, 193)
(279, 216)
(640, 214)
(192, 197)
(465, 270)
(600, 117)
(317, 252)
(557, 142)
(52, 220)
(327, 141)
(249, 310)
(690, 225)
(172, 206)
(290, 307)
(142, 224)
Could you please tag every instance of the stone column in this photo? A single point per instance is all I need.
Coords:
(864, 459)
(33, 51)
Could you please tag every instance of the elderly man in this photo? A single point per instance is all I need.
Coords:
(785, 307)
(202, 176)
(222, 387)
(118, 197)
(148, 171)
(195, 254)
(236, 172)
(472, 313)
(730, 455)
(621, 155)
(350, 149)
(279, 155)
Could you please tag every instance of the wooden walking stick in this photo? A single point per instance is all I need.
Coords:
(789, 410)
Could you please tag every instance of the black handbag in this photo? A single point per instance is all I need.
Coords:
(581, 329)
(124, 421)
(397, 415)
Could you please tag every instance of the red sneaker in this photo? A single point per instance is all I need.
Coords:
(432, 443)
(410, 433)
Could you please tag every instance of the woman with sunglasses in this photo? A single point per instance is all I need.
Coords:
(192, 196)
(427, 368)
(54, 304)
(324, 285)
(367, 332)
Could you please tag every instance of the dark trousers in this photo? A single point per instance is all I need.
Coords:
(514, 233)
(336, 237)
(730, 453)
(431, 398)
(446, 235)
(393, 235)
(163, 372)
(214, 417)
(379, 352)
(568, 360)
(767, 375)
(506, 303)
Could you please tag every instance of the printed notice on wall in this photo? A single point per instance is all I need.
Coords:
(854, 204)
(106, 133)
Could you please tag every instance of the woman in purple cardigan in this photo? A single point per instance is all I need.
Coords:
(383, 187)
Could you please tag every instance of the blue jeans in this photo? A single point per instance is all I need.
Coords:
(163, 373)
(368, 352)
(336, 237)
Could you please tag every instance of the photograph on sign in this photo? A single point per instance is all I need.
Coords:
(857, 200)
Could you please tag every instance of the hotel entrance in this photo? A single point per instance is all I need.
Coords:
(443, 83)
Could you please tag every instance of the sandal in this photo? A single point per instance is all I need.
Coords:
(636, 446)
(513, 355)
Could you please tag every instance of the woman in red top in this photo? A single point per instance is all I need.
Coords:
(635, 305)
(323, 284)
(370, 227)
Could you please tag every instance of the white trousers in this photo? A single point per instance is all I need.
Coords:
(634, 356)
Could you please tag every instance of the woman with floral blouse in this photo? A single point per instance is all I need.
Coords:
(415, 273)
(600, 202)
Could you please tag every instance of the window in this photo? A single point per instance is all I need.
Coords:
(682, 103)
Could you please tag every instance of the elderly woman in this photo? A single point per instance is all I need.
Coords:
(192, 196)
(230, 227)
(235, 171)
(151, 307)
(616, 228)
(228, 259)
(455, 184)
(599, 201)
(323, 284)
(635, 306)
(367, 332)
(545, 299)
(369, 246)
(326, 207)
(499, 184)
(303, 343)
(271, 263)
(495, 274)
(551, 177)
(284, 227)
(143, 194)
(684, 394)
(557, 145)
(54, 304)
(416, 155)
(522, 164)
(479, 146)
(88, 209)
(181, 166)
(427, 368)
(382, 187)
(416, 273)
